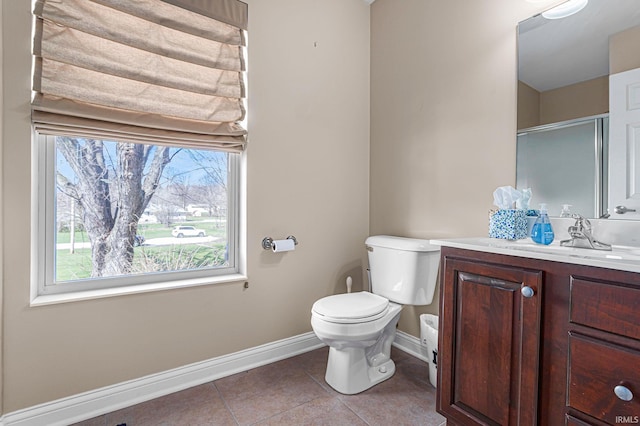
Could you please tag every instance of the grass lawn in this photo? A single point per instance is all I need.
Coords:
(70, 267)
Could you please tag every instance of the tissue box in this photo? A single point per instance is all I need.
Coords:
(508, 224)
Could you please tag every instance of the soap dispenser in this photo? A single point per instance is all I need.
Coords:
(542, 232)
(566, 210)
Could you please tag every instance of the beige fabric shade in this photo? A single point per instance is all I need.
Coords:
(153, 71)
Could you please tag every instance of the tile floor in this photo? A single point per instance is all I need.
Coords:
(291, 392)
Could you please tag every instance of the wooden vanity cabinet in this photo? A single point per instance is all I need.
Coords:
(532, 342)
(490, 342)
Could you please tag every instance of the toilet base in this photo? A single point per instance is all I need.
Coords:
(353, 369)
(349, 372)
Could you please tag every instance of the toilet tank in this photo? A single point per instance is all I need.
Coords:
(404, 270)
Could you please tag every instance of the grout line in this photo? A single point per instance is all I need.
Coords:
(350, 409)
(285, 411)
(333, 394)
(323, 385)
(224, 401)
(344, 402)
(339, 396)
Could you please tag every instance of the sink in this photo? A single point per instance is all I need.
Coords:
(616, 253)
(621, 257)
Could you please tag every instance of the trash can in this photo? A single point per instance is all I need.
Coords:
(429, 338)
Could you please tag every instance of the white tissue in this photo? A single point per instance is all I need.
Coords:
(283, 245)
(523, 203)
(505, 197)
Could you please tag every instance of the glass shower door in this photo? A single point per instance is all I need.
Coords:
(563, 164)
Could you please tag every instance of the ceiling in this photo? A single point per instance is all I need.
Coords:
(555, 53)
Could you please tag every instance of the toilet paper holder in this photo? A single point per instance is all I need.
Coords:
(267, 242)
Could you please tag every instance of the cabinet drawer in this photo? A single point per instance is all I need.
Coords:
(606, 307)
(572, 421)
(595, 368)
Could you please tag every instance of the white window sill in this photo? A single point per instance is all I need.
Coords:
(52, 299)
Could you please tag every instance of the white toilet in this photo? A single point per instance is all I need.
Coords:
(359, 328)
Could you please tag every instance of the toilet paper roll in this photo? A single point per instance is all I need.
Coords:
(283, 245)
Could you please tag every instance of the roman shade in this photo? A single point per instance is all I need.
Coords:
(153, 71)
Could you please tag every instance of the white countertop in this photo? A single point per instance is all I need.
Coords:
(624, 258)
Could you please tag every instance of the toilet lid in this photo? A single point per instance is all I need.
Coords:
(351, 305)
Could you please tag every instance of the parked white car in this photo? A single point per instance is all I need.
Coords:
(187, 231)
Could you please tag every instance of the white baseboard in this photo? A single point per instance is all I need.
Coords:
(411, 345)
(111, 398)
(105, 400)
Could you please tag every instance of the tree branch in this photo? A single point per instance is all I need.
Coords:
(65, 186)
(161, 158)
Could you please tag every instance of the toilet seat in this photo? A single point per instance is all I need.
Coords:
(351, 308)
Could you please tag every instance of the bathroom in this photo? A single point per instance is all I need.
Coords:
(396, 117)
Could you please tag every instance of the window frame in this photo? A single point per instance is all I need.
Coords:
(46, 291)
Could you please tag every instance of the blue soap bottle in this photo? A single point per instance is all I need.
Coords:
(542, 232)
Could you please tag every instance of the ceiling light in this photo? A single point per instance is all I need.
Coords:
(565, 9)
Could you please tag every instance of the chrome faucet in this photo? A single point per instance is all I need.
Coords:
(581, 235)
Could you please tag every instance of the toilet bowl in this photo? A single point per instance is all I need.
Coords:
(359, 348)
(359, 328)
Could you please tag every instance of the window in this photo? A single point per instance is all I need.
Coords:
(138, 114)
(119, 214)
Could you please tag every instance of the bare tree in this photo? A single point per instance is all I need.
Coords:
(180, 188)
(213, 185)
(214, 167)
(211, 195)
(111, 195)
(166, 213)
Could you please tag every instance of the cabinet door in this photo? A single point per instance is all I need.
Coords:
(489, 343)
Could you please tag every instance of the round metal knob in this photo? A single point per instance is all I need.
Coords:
(527, 291)
(623, 392)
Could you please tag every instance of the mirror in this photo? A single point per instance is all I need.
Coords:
(563, 73)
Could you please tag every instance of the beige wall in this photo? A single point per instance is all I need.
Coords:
(307, 174)
(528, 106)
(443, 116)
(624, 51)
(578, 100)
